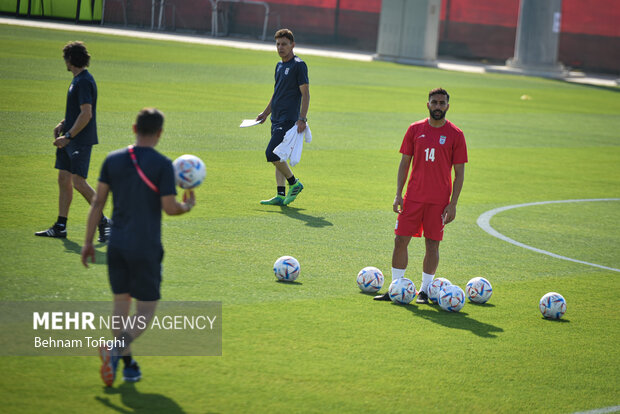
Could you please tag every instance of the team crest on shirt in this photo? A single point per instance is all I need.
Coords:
(286, 71)
(442, 139)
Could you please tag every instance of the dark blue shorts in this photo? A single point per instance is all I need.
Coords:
(278, 130)
(136, 273)
(74, 158)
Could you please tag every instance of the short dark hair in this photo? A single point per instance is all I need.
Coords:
(76, 53)
(439, 91)
(149, 121)
(285, 33)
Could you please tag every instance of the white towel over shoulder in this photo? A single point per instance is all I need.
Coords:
(292, 144)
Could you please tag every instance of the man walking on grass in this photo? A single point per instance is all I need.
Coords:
(288, 107)
(142, 183)
(74, 138)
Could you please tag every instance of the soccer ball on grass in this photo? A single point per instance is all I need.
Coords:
(451, 298)
(402, 291)
(552, 305)
(286, 268)
(479, 290)
(435, 287)
(370, 279)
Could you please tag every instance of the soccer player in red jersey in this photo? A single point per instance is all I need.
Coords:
(433, 147)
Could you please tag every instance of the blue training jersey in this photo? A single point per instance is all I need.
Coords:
(286, 100)
(136, 217)
(83, 90)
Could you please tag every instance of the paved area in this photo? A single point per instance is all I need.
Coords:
(453, 65)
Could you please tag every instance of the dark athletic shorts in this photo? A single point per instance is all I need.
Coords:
(278, 130)
(76, 160)
(136, 273)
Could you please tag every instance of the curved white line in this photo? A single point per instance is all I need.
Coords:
(485, 218)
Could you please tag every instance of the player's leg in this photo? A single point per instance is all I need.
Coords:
(65, 196)
(145, 310)
(433, 234)
(277, 135)
(119, 276)
(82, 186)
(145, 288)
(431, 257)
(80, 162)
(408, 225)
(400, 259)
(283, 171)
(295, 186)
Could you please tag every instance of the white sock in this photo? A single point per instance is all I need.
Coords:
(397, 273)
(426, 280)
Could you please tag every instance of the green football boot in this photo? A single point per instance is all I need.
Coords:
(276, 201)
(293, 192)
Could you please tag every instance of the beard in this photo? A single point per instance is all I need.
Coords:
(437, 114)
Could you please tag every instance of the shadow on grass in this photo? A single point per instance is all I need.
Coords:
(296, 213)
(135, 402)
(73, 247)
(561, 320)
(481, 305)
(286, 282)
(454, 320)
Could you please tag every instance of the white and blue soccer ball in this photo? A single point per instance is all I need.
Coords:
(479, 290)
(286, 268)
(402, 291)
(451, 298)
(189, 171)
(552, 305)
(370, 279)
(435, 287)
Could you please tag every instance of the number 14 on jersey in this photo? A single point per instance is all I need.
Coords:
(430, 154)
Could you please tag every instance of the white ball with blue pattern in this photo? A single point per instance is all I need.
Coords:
(435, 287)
(370, 279)
(479, 290)
(189, 171)
(552, 305)
(451, 298)
(402, 291)
(286, 268)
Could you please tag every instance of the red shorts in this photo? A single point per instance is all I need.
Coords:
(419, 217)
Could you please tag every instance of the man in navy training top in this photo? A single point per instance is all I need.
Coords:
(291, 91)
(74, 138)
(140, 191)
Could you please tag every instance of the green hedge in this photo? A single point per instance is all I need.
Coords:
(89, 10)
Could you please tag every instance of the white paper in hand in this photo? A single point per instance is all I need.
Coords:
(248, 123)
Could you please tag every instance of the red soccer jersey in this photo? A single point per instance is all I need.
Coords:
(434, 151)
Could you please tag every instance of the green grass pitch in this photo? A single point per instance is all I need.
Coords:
(321, 345)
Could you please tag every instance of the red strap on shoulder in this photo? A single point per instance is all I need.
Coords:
(143, 176)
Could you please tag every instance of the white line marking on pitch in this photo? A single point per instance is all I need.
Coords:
(613, 409)
(485, 218)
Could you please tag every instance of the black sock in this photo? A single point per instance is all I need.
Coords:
(125, 339)
(282, 190)
(103, 219)
(127, 360)
(61, 222)
(291, 180)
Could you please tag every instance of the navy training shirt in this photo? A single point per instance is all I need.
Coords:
(286, 99)
(136, 217)
(83, 90)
